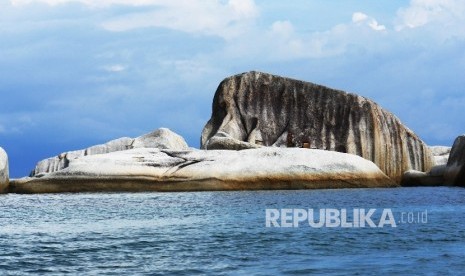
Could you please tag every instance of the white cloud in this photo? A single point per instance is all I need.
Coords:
(361, 18)
(375, 26)
(246, 8)
(92, 3)
(422, 12)
(210, 17)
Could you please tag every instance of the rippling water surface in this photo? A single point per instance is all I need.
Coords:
(224, 233)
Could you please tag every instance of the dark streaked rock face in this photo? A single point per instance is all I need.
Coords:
(455, 169)
(4, 171)
(269, 110)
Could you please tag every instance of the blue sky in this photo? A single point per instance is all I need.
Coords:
(78, 73)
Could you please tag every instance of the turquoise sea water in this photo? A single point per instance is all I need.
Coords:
(224, 233)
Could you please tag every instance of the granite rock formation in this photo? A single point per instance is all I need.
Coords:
(455, 169)
(269, 110)
(162, 138)
(4, 171)
(223, 140)
(152, 169)
(435, 177)
(440, 154)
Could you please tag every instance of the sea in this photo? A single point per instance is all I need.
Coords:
(236, 233)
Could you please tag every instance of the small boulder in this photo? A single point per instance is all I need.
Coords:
(162, 138)
(4, 171)
(222, 140)
(412, 178)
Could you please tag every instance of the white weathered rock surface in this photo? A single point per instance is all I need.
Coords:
(223, 140)
(455, 169)
(440, 154)
(145, 169)
(4, 171)
(162, 138)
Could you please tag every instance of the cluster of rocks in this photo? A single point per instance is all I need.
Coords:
(449, 168)
(266, 132)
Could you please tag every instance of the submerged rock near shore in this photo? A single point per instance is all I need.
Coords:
(4, 171)
(263, 109)
(153, 169)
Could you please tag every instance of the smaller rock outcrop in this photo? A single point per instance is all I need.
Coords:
(162, 138)
(153, 169)
(222, 140)
(455, 169)
(435, 177)
(4, 171)
(440, 154)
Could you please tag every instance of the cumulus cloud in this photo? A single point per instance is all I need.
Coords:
(210, 17)
(361, 18)
(92, 3)
(422, 12)
(283, 41)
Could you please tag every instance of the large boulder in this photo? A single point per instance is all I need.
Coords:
(162, 138)
(269, 110)
(455, 169)
(153, 169)
(4, 171)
